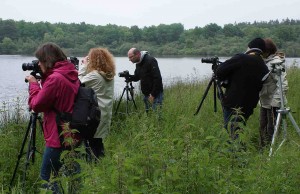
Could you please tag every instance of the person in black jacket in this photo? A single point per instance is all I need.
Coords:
(244, 74)
(147, 71)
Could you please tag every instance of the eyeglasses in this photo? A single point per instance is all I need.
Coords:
(131, 56)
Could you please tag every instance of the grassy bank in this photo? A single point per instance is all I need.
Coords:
(180, 153)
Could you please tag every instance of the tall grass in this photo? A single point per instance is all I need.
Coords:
(177, 152)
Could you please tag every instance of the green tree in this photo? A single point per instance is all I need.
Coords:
(231, 30)
(211, 30)
(136, 33)
(8, 29)
(8, 46)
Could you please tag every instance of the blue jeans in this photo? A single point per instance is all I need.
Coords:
(51, 162)
(156, 102)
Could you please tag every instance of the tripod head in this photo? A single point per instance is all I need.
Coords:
(277, 68)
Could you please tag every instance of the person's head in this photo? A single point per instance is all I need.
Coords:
(134, 55)
(101, 59)
(48, 54)
(270, 47)
(257, 43)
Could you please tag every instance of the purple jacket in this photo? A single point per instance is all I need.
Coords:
(59, 88)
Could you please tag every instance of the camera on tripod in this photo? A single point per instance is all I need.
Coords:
(213, 60)
(218, 92)
(210, 60)
(126, 75)
(128, 90)
(277, 67)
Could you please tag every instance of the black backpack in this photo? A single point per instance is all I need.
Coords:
(86, 113)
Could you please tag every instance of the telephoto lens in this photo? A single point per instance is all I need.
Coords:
(34, 65)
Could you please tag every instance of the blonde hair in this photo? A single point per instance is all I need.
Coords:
(101, 59)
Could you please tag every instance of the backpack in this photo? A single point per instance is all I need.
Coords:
(86, 113)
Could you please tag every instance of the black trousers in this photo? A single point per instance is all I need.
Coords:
(94, 148)
(267, 125)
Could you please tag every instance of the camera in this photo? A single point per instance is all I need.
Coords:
(213, 60)
(124, 74)
(75, 61)
(33, 66)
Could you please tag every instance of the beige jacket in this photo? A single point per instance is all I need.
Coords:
(103, 86)
(270, 93)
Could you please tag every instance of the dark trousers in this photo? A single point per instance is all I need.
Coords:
(94, 148)
(267, 125)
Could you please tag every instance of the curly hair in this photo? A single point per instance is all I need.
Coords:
(101, 59)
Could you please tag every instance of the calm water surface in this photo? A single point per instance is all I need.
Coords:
(13, 85)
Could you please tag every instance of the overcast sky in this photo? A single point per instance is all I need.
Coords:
(190, 13)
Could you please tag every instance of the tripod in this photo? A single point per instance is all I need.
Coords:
(216, 84)
(31, 149)
(128, 90)
(283, 112)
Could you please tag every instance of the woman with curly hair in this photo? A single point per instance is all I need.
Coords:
(97, 72)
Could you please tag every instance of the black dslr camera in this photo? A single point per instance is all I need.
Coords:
(34, 67)
(215, 63)
(213, 60)
(75, 61)
(126, 75)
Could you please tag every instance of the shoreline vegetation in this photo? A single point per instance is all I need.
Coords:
(21, 37)
(181, 153)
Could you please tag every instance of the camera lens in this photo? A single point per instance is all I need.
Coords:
(27, 66)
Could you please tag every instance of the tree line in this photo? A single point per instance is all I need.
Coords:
(21, 37)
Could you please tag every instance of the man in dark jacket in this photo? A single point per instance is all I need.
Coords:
(245, 74)
(147, 71)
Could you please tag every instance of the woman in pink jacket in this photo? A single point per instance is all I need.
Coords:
(55, 92)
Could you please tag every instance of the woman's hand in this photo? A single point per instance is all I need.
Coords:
(31, 78)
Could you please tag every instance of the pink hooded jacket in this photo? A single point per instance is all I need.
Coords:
(59, 89)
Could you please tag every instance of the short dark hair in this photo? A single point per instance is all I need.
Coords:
(270, 46)
(50, 53)
(257, 43)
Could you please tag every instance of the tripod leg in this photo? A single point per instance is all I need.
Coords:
(132, 97)
(279, 116)
(204, 95)
(120, 100)
(284, 126)
(21, 150)
(127, 100)
(31, 146)
(29, 155)
(215, 96)
(294, 122)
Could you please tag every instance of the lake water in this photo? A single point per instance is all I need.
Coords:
(13, 85)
